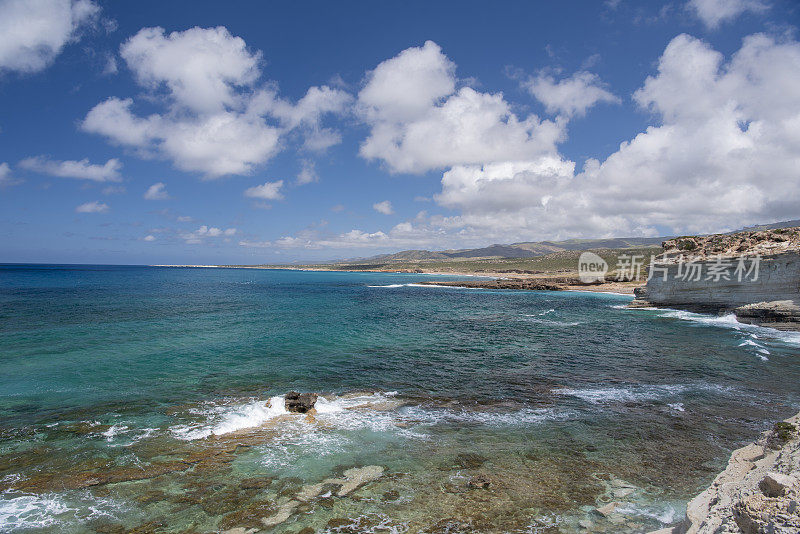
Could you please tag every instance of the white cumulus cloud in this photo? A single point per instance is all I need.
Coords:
(571, 96)
(421, 121)
(308, 173)
(384, 207)
(199, 235)
(33, 32)
(201, 68)
(92, 207)
(715, 12)
(218, 119)
(6, 178)
(81, 170)
(266, 191)
(723, 151)
(157, 191)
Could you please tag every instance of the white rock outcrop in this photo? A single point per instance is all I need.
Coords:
(770, 295)
(757, 493)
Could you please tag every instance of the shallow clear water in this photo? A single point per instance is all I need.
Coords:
(136, 397)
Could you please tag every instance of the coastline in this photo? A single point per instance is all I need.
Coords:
(768, 295)
(590, 480)
(525, 282)
(542, 284)
(757, 492)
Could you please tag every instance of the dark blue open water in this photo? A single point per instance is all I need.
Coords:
(137, 397)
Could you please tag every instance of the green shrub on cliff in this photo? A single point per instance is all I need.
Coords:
(784, 431)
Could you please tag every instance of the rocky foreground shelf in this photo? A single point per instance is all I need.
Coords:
(757, 493)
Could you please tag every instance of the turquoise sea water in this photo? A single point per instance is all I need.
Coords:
(149, 398)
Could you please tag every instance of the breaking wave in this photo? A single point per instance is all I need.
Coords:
(377, 412)
(730, 321)
(641, 393)
(24, 511)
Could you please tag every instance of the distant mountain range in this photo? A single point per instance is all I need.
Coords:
(772, 226)
(513, 250)
(536, 248)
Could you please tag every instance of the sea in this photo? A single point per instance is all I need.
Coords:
(150, 399)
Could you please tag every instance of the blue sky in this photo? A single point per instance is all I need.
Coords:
(253, 132)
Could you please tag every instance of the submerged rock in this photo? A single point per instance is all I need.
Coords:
(339, 522)
(255, 482)
(607, 509)
(479, 482)
(356, 477)
(391, 495)
(470, 460)
(300, 402)
(284, 512)
(249, 516)
(310, 491)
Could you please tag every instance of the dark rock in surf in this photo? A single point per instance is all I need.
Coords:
(469, 460)
(300, 402)
(479, 482)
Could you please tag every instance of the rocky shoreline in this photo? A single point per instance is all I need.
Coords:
(528, 284)
(759, 491)
(564, 283)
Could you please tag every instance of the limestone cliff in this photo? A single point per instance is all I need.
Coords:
(755, 275)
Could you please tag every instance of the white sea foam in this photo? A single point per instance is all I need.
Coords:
(395, 286)
(727, 321)
(600, 293)
(227, 419)
(730, 321)
(639, 392)
(760, 350)
(31, 511)
(371, 524)
(376, 412)
(521, 417)
(120, 435)
(538, 318)
(440, 285)
(665, 514)
(249, 415)
(618, 394)
(379, 413)
(286, 448)
(113, 431)
(25, 511)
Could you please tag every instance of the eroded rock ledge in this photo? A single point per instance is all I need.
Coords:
(770, 297)
(757, 493)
